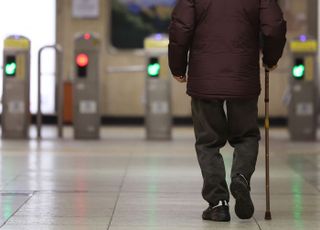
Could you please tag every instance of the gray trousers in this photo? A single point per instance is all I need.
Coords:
(213, 128)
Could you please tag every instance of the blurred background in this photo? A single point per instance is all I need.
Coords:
(121, 26)
(109, 143)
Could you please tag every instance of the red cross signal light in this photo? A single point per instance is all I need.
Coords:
(82, 61)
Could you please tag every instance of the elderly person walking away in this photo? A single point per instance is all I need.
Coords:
(219, 42)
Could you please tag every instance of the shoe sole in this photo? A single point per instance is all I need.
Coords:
(218, 217)
(222, 219)
(244, 207)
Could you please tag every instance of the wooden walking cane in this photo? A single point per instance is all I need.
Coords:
(267, 126)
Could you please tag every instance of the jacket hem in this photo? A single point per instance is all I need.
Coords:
(222, 96)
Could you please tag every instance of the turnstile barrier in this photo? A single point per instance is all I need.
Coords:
(302, 118)
(15, 119)
(86, 92)
(158, 111)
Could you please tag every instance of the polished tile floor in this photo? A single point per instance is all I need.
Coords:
(123, 182)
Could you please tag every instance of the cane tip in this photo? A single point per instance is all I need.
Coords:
(268, 216)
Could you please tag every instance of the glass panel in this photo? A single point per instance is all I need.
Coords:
(35, 19)
(133, 20)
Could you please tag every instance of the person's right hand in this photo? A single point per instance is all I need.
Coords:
(181, 79)
(268, 68)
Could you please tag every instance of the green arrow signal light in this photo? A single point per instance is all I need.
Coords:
(10, 69)
(154, 70)
(298, 71)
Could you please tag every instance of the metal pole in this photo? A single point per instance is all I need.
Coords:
(318, 59)
(318, 27)
(59, 79)
(267, 126)
(39, 113)
(60, 91)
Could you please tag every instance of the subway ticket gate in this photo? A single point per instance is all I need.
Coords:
(302, 117)
(158, 111)
(15, 120)
(86, 93)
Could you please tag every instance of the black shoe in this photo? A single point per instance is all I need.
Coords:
(219, 212)
(240, 190)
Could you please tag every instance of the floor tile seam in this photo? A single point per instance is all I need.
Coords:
(257, 222)
(14, 194)
(18, 209)
(285, 194)
(305, 179)
(61, 152)
(311, 184)
(120, 189)
(53, 224)
(60, 192)
(75, 192)
(165, 193)
(13, 180)
(193, 193)
(296, 172)
(64, 216)
(162, 226)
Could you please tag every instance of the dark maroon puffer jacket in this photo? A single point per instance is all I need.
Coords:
(223, 37)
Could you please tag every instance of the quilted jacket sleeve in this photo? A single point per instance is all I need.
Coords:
(180, 34)
(273, 28)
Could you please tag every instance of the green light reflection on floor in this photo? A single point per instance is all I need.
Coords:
(7, 207)
(153, 173)
(297, 202)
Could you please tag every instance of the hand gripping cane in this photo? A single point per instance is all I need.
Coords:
(266, 126)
